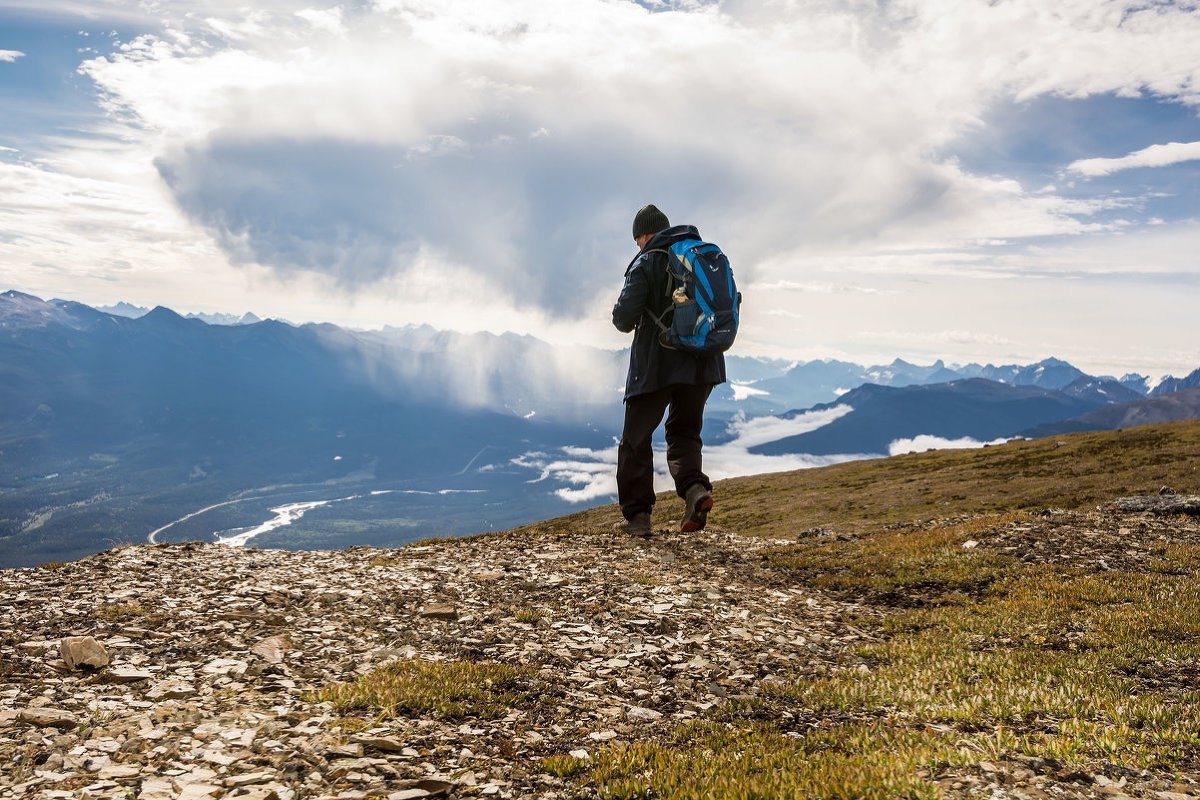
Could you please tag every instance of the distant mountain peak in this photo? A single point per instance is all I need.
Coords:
(221, 318)
(124, 309)
(13, 294)
(1170, 384)
(162, 314)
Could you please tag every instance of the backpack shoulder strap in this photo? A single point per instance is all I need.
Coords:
(657, 319)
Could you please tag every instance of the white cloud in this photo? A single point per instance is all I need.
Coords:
(748, 433)
(934, 337)
(272, 120)
(327, 19)
(743, 390)
(1156, 155)
(919, 444)
(9, 56)
(810, 287)
(589, 474)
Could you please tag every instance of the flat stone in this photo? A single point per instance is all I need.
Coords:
(156, 789)
(128, 675)
(82, 651)
(1155, 504)
(271, 649)
(248, 779)
(260, 793)
(352, 750)
(385, 743)
(225, 666)
(439, 611)
(172, 689)
(48, 717)
(219, 758)
(639, 714)
(487, 577)
(112, 772)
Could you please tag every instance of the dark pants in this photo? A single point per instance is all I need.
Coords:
(635, 455)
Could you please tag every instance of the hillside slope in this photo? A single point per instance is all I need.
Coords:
(901, 629)
(1071, 471)
(1181, 405)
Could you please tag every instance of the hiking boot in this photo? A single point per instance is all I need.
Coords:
(639, 526)
(699, 503)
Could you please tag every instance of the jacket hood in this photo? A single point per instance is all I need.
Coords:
(668, 237)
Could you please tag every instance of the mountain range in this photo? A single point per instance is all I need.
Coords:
(113, 425)
(805, 384)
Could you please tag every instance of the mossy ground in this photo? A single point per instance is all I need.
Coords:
(980, 654)
(439, 689)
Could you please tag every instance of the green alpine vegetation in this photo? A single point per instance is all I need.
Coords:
(993, 630)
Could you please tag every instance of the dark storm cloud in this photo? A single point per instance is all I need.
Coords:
(547, 222)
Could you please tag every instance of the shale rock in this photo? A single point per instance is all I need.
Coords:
(48, 717)
(1164, 503)
(216, 665)
(83, 651)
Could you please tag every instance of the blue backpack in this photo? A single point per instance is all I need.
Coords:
(704, 299)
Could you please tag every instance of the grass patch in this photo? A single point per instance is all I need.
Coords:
(1180, 558)
(529, 615)
(643, 577)
(1074, 666)
(441, 689)
(562, 766)
(349, 724)
(119, 612)
(909, 566)
(869, 760)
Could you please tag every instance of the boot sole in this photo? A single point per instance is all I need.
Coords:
(699, 517)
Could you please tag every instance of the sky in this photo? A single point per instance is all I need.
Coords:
(981, 181)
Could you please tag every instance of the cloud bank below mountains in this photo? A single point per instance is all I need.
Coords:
(919, 444)
(585, 474)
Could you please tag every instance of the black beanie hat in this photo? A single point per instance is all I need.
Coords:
(649, 220)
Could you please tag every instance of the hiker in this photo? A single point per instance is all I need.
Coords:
(660, 378)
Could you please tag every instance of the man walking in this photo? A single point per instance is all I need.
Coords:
(660, 378)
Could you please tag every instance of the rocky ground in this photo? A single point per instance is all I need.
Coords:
(214, 655)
